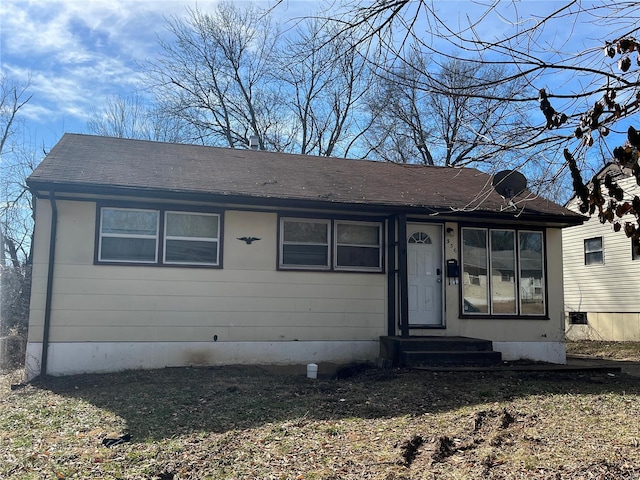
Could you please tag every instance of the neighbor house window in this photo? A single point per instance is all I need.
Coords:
(323, 244)
(505, 272)
(130, 235)
(593, 251)
(578, 318)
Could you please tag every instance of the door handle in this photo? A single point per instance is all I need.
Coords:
(438, 271)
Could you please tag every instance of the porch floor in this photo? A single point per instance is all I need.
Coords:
(427, 351)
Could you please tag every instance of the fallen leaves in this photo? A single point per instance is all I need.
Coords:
(232, 423)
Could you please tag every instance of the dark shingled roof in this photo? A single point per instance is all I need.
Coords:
(85, 162)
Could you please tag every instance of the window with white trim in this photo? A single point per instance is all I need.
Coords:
(323, 244)
(304, 243)
(128, 235)
(191, 238)
(149, 236)
(358, 245)
(505, 269)
(593, 251)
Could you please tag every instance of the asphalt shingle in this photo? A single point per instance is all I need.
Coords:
(86, 160)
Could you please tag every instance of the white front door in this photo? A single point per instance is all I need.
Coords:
(424, 267)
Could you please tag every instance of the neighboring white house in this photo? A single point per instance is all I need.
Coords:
(601, 275)
(150, 254)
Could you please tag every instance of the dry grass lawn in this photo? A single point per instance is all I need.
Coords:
(627, 351)
(247, 423)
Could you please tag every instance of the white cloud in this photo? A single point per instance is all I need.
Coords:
(71, 30)
(76, 53)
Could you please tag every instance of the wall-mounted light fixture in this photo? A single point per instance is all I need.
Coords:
(449, 231)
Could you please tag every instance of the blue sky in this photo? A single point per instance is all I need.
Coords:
(76, 53)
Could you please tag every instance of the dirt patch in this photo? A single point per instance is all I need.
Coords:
(410, 449)
(487, 427)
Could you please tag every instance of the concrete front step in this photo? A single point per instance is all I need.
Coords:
(412, 358)
(445, 344)
(438, 351)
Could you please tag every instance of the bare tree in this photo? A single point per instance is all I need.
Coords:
(400, 106)
(439, 116)
(230, 74)
(326, 78)
(16, 163)
(581, 95)
(129, 116)
(16, 222)
(214, 74)
(13, 96)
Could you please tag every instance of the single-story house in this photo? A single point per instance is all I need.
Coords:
(150, 254)
(602, 274)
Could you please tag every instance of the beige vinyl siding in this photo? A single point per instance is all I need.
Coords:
(41, 238)
(246, 300)
(608, 326)
(609, 287)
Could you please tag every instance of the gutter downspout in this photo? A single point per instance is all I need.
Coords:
(47, 307)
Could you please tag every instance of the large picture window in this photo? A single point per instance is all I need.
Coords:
(129, 235)
(503, 272)
(323, 244)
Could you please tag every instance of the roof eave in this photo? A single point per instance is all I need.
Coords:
(38, 187)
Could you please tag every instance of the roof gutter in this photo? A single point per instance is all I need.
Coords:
(40, 189)
(552, 219)
(47, 307)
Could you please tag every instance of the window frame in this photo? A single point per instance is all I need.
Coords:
(543, 267)
(336, 245)
(517, 274)
(332, 257)
(166, 237)
(102, 235)
(589, 252)
(161, 211)
(492, 264)
(282, 242)
(578, 318)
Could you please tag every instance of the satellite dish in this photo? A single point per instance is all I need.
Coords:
(509, 183)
